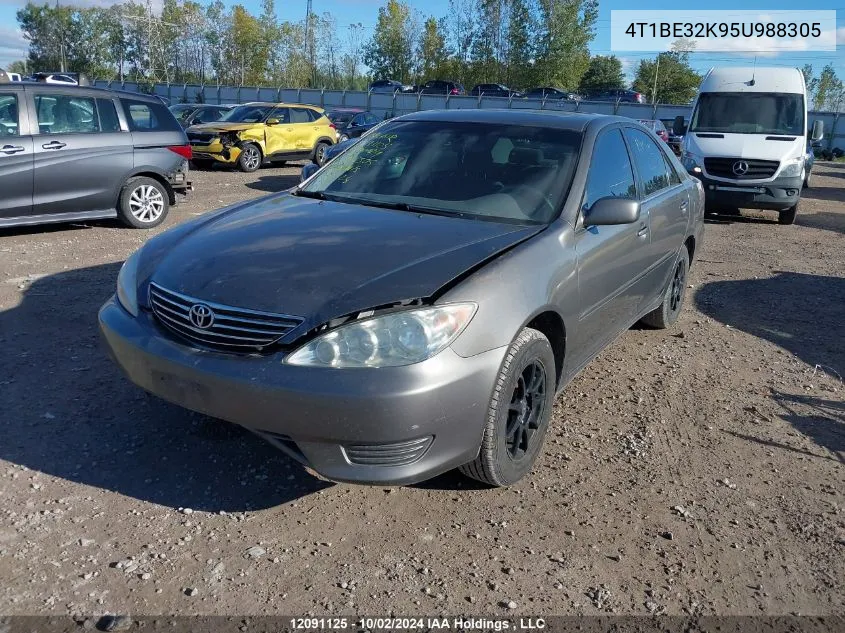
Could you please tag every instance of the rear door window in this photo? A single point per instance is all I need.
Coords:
(108, 116)
(300, 115)
(8, 115)
(144, 116)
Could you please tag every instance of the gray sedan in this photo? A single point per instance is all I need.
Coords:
(417, 304)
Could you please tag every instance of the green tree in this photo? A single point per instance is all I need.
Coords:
(17, 66)
(520, 50)
(674, 78)
(389, 54)
(828, 90)
(431, 52)
(566, 30)
(603, 73)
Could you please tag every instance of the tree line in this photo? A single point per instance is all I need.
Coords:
(519, 43)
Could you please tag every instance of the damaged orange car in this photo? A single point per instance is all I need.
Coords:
(254, 133)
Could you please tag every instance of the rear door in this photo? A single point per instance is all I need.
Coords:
(15, 156)
(80, 151)
(612, 260)
(280, 138)
(666, 200)
(305, 129)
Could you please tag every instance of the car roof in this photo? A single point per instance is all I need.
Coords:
(575, 121)
(281, 104)
(139, 96)
(347, 110)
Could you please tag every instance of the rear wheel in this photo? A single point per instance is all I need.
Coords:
(673, 297)
(788, 216)
(320, 153)
(250, 158)
(143, 203)
(519, 412)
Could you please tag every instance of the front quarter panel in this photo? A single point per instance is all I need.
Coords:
(537, 276)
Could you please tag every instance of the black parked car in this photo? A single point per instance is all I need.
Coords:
(440, 87)
(551, 93)
(352, 122)
(389, 86)
(494, 90)
(189, 114)
(71, 153)
(623, 96)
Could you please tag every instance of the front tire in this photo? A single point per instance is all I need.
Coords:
(788, 216)
(667, 313)
(519, 412)
(143, 203)
(250, 159)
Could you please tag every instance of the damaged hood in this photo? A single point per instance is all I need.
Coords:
(320, 260)
(219, 128)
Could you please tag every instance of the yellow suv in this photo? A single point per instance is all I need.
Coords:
(252, 133)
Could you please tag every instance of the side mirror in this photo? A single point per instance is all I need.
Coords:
(308, 171)
(611, 210)
(273, 121)
(818, 131)
(678, 125)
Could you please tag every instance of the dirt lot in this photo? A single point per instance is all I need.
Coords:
(698, 470)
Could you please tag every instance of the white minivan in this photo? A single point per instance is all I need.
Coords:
(747, 139)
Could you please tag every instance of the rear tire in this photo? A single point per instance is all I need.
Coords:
(519, 412)
(250, 158)
(320, 153)
(667, 313)
(788, 216)
(143, 203)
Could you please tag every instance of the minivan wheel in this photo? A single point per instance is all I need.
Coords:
(250, 158)
(519, 412)
(673, 297)
(143, 203)
(788, 216)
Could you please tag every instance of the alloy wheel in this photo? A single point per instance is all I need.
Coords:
(146, 203)
(251, 157)
(525, 411)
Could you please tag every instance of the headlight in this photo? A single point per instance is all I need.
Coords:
(402, 338)
(793, 167)
(691, 162)
(127, 286)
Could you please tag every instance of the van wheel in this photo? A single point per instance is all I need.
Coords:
(320, 153)
(250, 158)
(808, 180)
(143, 203)
(667, 313)
(788, 216)
(519, 412)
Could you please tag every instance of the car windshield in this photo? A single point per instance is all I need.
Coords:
(749, 113)
(248, 114)
(182, 111)
(507, 173)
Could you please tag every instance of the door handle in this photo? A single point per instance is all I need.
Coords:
(643, 231)
(11, 149)
(684, 205)
(54, 145)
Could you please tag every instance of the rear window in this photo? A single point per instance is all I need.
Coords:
(144, 116)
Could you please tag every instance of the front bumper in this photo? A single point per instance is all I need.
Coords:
(776, 195)
(216, 151)
(347, 424)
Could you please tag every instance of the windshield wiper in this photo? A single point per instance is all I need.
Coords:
(317, 195)
(406, 206)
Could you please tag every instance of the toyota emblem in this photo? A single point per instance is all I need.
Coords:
(201, 316)
(740, 168)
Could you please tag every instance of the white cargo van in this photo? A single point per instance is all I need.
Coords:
(747, 139)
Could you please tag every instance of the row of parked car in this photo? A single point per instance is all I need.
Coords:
(454, 88)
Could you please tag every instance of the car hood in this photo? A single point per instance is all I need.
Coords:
(321, 260)
(754, 146)
(222, 127)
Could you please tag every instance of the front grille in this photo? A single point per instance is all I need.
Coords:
(228, 329)
(398, 454)
(724, 168)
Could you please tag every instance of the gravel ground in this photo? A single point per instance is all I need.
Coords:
(694, 471)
